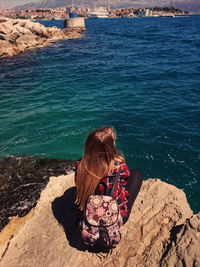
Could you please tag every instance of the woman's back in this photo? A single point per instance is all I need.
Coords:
(100, 157)
(120, 193)
(99, 166)
(103, 171)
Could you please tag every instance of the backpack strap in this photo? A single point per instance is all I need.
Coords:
(106, 189)
(115, 182)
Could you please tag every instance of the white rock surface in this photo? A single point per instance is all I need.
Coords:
(19, 35)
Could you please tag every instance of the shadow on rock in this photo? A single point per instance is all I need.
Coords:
(67, 214)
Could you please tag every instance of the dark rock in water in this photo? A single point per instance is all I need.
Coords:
(21, 181)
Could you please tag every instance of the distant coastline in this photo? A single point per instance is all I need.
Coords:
(61, 13)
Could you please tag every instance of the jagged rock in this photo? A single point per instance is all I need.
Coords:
(184, 246)
(54, 33)
(50, 236)
(29, 40)
(6, 48)
(2, 36)
(21, 181)
(2, 20)
(6, 26)
(24, 34)
(12, 37)
(22, 30)
(38, 29)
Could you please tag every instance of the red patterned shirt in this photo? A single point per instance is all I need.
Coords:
(120, 193)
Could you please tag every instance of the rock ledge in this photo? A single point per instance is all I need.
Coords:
(161, 231)
(18, 35)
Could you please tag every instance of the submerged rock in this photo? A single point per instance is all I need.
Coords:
(18, 35)
(160, 230)
(21, 181)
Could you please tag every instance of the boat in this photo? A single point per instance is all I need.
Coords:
(98, 13)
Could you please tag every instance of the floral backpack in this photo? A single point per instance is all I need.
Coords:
(101, 221)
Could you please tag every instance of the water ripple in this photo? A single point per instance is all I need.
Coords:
(139, 75)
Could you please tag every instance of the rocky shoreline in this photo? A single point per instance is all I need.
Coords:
(161, 231)
(19, 35)
(21, 181)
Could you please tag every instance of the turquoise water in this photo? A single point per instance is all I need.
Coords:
(140, 75)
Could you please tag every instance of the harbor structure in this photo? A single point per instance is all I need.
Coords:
(74, 22)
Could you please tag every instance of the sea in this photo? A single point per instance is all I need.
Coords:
(140, 75)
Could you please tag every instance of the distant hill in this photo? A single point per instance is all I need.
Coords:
(190, 5)
(87, 3)
(43, 4)
(31, 5)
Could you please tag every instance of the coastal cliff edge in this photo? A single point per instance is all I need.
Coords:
(161, 231)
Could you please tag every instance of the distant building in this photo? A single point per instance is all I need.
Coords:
(147, 12)
(101, 12)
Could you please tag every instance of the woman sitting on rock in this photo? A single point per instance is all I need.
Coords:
(100, 163)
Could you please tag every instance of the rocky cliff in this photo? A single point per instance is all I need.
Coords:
(161, 231)
(18, 35)
(22, 179)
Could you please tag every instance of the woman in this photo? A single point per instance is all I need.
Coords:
(100, 163)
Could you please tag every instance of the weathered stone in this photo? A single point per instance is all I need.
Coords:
(24, 34)
(6, 48)
(37, 29)
(29, 40)
(184, 246)
(12, 36)
(2, 36)
(5, 28)
(21, 22)
(2, 20)
(71, 33)
(21, 181)
(22, 30)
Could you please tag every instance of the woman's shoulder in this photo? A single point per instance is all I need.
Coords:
(120, 164)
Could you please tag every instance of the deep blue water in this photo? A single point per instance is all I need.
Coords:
(140, 75)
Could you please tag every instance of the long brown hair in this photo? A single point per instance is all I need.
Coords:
(98, 160)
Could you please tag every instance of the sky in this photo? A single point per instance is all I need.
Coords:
(185, 4)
